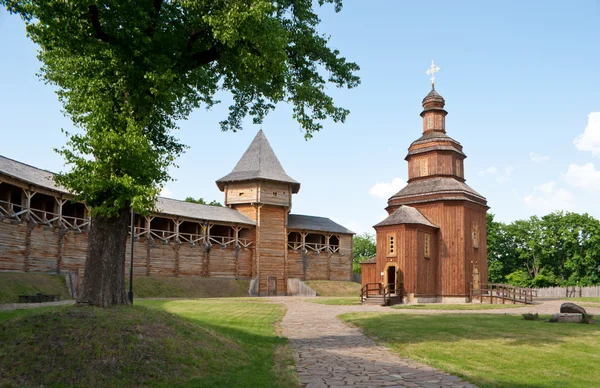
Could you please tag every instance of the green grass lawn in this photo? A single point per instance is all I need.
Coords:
(584, 299)
(332, 288)
(492, 350)
(14, 284)
(465, 306)
(200, 343)
(188, 287)
(348, 300)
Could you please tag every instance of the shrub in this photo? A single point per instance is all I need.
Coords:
(531, 317)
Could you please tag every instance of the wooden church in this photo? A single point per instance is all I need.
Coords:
(432, 245)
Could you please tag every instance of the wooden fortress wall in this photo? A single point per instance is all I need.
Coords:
(26, 247)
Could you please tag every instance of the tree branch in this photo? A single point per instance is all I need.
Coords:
(157, 5)
(205, 57)
(94, 17)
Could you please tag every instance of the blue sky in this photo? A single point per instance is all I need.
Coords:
(521, 82)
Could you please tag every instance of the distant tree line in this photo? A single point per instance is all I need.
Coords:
(558, 249)
(201, 201)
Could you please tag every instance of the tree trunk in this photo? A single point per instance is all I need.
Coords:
(104, 278)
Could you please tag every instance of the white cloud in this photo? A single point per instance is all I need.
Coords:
(547, 198)
(585, 177)
(489, 171)
(386, 190)
(166, 192)
(535, 158)
(589, 140)
(503, 178)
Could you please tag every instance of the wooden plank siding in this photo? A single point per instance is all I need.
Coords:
(12, 246)
(271, 249)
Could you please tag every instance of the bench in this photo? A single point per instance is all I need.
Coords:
(38, 298)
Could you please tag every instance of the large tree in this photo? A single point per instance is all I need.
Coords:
(126, 71)
(363, 248)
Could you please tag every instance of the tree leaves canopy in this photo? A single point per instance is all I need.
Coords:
(559, 249)
(363, 248)
(127, 71)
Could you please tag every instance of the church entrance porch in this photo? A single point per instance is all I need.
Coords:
(391, 279)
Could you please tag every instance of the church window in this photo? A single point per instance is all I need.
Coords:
(429, 122)
(475, 235)
(427, 247)
(391, 246)
(424, 167)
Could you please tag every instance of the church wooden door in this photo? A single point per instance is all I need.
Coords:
(272, 286)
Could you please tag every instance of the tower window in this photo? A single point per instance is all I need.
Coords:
(427, 246)
(391, 245)
(424, 167)
(475, 235)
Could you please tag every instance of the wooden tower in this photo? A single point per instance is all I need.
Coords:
(434, 240)
(259, 187)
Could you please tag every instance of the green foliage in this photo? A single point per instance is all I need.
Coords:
(201, 201)
(557, 249)
(363, 248)
(531, 316)
(126, 72)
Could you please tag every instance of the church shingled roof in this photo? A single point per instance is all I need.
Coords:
(406, 215)
(259, 162)
(434, 96)
(436, 185)
(319, 224)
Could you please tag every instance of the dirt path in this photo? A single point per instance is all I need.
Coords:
(329, 353)
(21, 306)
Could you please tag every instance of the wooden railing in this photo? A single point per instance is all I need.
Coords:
(503, 292)
(392, 290)
(315, 247)
(21, 213)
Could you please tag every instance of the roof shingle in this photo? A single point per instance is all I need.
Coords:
(320, 224)
(406, 215)
(259, 162)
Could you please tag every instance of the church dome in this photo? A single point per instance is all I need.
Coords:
(433, 99)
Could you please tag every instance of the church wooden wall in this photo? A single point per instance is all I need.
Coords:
(368, 274)
(456, 251)
(419, 274)
(441, 163)
(427, 267)
(475, 214)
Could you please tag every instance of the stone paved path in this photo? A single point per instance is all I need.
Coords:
(330, 354)
(22, 306)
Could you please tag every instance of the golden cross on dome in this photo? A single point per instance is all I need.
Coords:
(431, 71)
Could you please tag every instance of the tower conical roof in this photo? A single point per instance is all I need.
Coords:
(259, 162)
